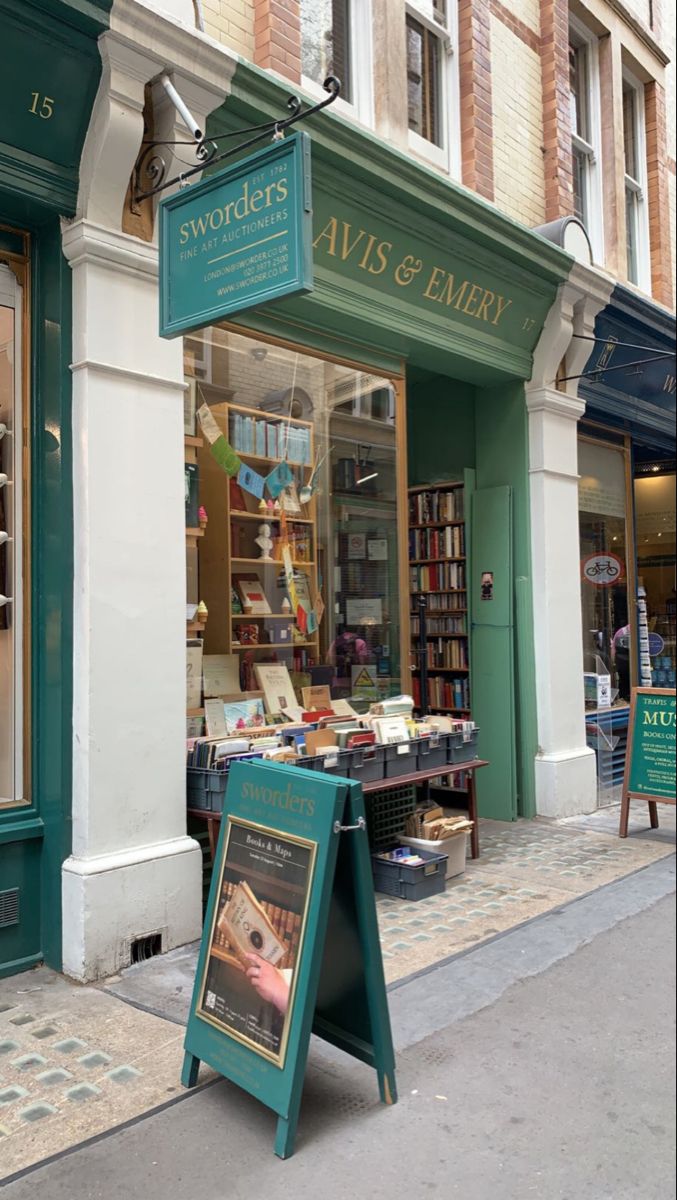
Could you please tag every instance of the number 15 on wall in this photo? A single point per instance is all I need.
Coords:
(41, 106)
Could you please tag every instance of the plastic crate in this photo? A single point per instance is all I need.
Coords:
(409, 882)
(206, 788)
(401, 758)
(461, 751)
(432, 751)
(455, 848)
(387, 813)
(337, 762)
(368, 763)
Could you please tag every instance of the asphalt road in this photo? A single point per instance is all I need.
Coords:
(558, 1082)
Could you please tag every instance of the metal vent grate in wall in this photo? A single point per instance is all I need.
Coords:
(9, 908)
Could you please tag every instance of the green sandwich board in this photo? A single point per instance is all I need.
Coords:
(650, 757)
(290, 943)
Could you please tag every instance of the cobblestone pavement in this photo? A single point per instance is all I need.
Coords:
(76, 1061)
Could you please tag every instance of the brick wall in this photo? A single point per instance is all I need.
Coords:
(556, 128)
(658, 194)
(477, 133)
(277, 30)
(231, 22)
(519, 173)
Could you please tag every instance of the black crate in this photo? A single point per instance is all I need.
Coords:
(387, 813)
(461, 751)
(368, 763)
(206, 788)
(401, 759)
(433, 751)
(408, 882)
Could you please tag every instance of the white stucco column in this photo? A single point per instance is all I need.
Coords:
(565, 772)
(133, 870)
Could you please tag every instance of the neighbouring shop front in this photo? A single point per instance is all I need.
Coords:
(46, 97)
(627, 522)
(398, 378)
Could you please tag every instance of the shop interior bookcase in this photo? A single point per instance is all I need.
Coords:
(228, 552)
(432, 532)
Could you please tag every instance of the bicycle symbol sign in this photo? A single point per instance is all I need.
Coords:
(602, 570)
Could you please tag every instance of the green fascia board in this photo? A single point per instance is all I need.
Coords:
(90, 17)
(355, 154)
(25, 176)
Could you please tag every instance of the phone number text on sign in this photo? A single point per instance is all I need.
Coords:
(602, 570)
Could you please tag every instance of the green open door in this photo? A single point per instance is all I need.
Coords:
(492, 649)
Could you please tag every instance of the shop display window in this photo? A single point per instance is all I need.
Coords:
(292, 530)
(11, 545)
(607, 637)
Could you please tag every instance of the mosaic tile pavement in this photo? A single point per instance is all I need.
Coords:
(525, 869)
(75, 1062)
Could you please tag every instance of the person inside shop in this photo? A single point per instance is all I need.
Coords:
(346, 651)
(620, 656)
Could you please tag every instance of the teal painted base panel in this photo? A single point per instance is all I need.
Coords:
(20, 964)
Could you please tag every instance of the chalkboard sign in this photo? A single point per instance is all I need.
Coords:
(290, 942)
(650, 759)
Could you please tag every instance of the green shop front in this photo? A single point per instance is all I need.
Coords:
(49, 72)
(400, 376)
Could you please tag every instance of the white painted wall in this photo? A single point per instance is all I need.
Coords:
(565, 773)
(133, 870)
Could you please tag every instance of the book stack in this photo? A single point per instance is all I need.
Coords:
(436, 506)
(270, 439)
(443, 693)
(445, 542)
(437, 577)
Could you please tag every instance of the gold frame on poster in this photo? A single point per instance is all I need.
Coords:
(277, 1059)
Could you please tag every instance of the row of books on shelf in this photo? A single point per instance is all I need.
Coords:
(447, 652)
(270, 439)
(443, 693)
(439, 625)
(443, 602)
(435, 577)
(448, 542)
(427, 507)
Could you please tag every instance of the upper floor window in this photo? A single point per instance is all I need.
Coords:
(584, 112)
(336, 40)
(431, 81)
(636, 215)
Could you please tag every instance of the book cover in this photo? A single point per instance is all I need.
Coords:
(220, 674)
(278, 693)
(252, 594)
(248, 928)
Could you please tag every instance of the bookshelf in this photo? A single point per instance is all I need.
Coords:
(230, 556)
(438, 572)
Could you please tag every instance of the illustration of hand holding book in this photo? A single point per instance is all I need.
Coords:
(256, 945)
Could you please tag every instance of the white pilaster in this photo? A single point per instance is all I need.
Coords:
(565, 772)
(133, 870)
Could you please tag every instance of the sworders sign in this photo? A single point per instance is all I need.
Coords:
(239, 239)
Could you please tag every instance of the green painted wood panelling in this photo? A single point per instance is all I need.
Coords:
(20, 945)
(49, 72)
(440, 428)
(503, 460)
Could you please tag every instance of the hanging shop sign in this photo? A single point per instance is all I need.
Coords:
(290, 943)
(239, 239)
(602, 570)
(650, 759)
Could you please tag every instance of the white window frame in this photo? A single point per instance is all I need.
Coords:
(360, 48)
(11, 296)
(639, 188)
(591, 151)
(448, 155)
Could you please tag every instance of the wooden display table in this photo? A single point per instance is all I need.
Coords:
(213, 820)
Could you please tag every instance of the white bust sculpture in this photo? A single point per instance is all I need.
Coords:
(265, 542)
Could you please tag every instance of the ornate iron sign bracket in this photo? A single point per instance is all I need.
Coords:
(150, 173)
